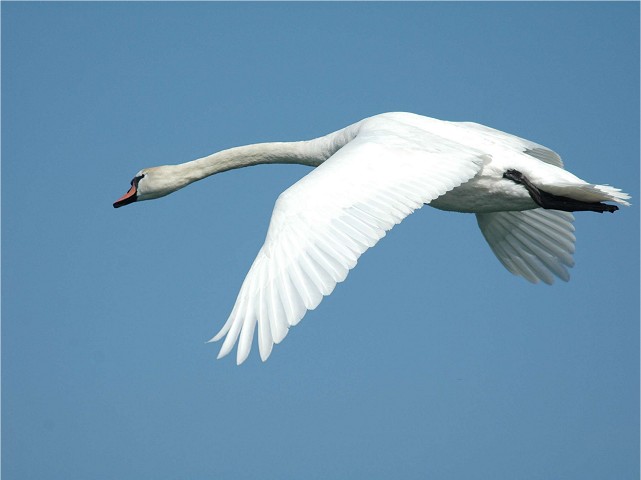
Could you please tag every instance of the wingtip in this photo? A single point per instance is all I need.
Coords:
(242, 354)
(218, 336)
(221, 354)
(265, 355)
(225, 350)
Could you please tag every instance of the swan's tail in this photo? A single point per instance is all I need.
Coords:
(588, 198)
(589, 193)
(570, 196)
(612, 194)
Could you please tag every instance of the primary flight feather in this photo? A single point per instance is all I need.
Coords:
(369, 176)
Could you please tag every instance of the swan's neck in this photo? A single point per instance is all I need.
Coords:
(311, 152)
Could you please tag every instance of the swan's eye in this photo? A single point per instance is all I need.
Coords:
(135, 180)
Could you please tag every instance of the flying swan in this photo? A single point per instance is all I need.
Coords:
(368, 177)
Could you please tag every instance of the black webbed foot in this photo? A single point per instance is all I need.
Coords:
(556, 202)
(514, 175)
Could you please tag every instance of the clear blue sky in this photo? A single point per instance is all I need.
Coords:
(430, 361)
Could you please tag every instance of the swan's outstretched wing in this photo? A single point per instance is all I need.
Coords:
(535, 244)
(323, 223)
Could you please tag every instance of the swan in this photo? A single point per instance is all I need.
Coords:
(369, 176)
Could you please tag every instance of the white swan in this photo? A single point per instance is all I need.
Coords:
(371, 175)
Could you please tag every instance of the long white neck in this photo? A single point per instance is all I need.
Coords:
(311, 152)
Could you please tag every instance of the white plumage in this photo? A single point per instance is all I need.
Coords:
(369, 177)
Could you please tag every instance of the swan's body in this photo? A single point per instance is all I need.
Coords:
(370, 176)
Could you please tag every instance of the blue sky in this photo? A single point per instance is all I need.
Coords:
(430, 361)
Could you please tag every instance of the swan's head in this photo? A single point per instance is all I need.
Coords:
(150, 183)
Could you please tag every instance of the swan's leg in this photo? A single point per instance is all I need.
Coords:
(556, 202)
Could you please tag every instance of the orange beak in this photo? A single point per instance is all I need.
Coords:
(127, 198)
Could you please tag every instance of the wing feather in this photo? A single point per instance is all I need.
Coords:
(535, 244)
(322, 224)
